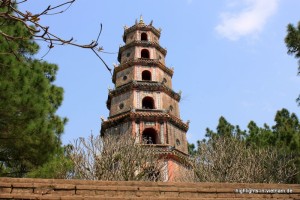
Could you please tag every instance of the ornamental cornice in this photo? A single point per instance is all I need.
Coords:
(143, 62)
(142, 44)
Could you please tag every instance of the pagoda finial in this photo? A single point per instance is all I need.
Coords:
(141, 19)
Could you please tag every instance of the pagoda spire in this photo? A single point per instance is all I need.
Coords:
(141, 20)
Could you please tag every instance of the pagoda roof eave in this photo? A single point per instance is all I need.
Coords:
(168, 151)
(143, 27)
(143, 85)
(143, 114)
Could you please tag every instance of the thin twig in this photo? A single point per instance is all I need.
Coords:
(40, 32)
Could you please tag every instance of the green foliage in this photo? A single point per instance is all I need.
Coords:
(287, 131)
(292, 41)
(259, 136)
(225, 129)
(191, 149)
(284, 135)
(30, 130)
(59, 166)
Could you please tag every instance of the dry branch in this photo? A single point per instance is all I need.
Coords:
(9, 12)
(226, 159)
(115, 158)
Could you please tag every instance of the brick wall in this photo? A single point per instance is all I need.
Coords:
(175, 133)
(16, 188)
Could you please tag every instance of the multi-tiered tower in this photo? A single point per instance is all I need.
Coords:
(143, 102)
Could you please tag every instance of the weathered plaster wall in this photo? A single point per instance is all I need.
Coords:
(16, 188)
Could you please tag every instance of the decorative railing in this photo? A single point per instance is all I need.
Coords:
(152, 110)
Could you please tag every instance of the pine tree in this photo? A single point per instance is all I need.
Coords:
(259, 136)
(292, 41)
(225, 129)
(30, 130)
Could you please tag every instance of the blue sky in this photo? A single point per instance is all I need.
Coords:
(229, 58)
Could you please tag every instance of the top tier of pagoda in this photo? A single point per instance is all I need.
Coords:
(142, 48)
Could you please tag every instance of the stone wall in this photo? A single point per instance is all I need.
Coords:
(17, 188)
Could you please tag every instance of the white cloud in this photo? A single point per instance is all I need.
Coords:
(249, 21)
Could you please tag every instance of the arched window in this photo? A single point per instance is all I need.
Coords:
(150, 136)
(146, 75)
(148, 103)
(145, 53)
(144, 37)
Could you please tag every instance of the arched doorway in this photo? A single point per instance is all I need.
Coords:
(149, 136)
(148, 103)
(145, 53)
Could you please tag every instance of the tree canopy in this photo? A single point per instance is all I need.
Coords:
(292, 41)
(30, 129)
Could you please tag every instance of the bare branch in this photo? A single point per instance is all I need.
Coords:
(109, 69)
(55, 7)
(37, 31)
(115, 157)
(230, 160)
(21, 2)
(99, 33)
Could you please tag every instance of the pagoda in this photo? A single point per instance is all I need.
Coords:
(143, 102)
